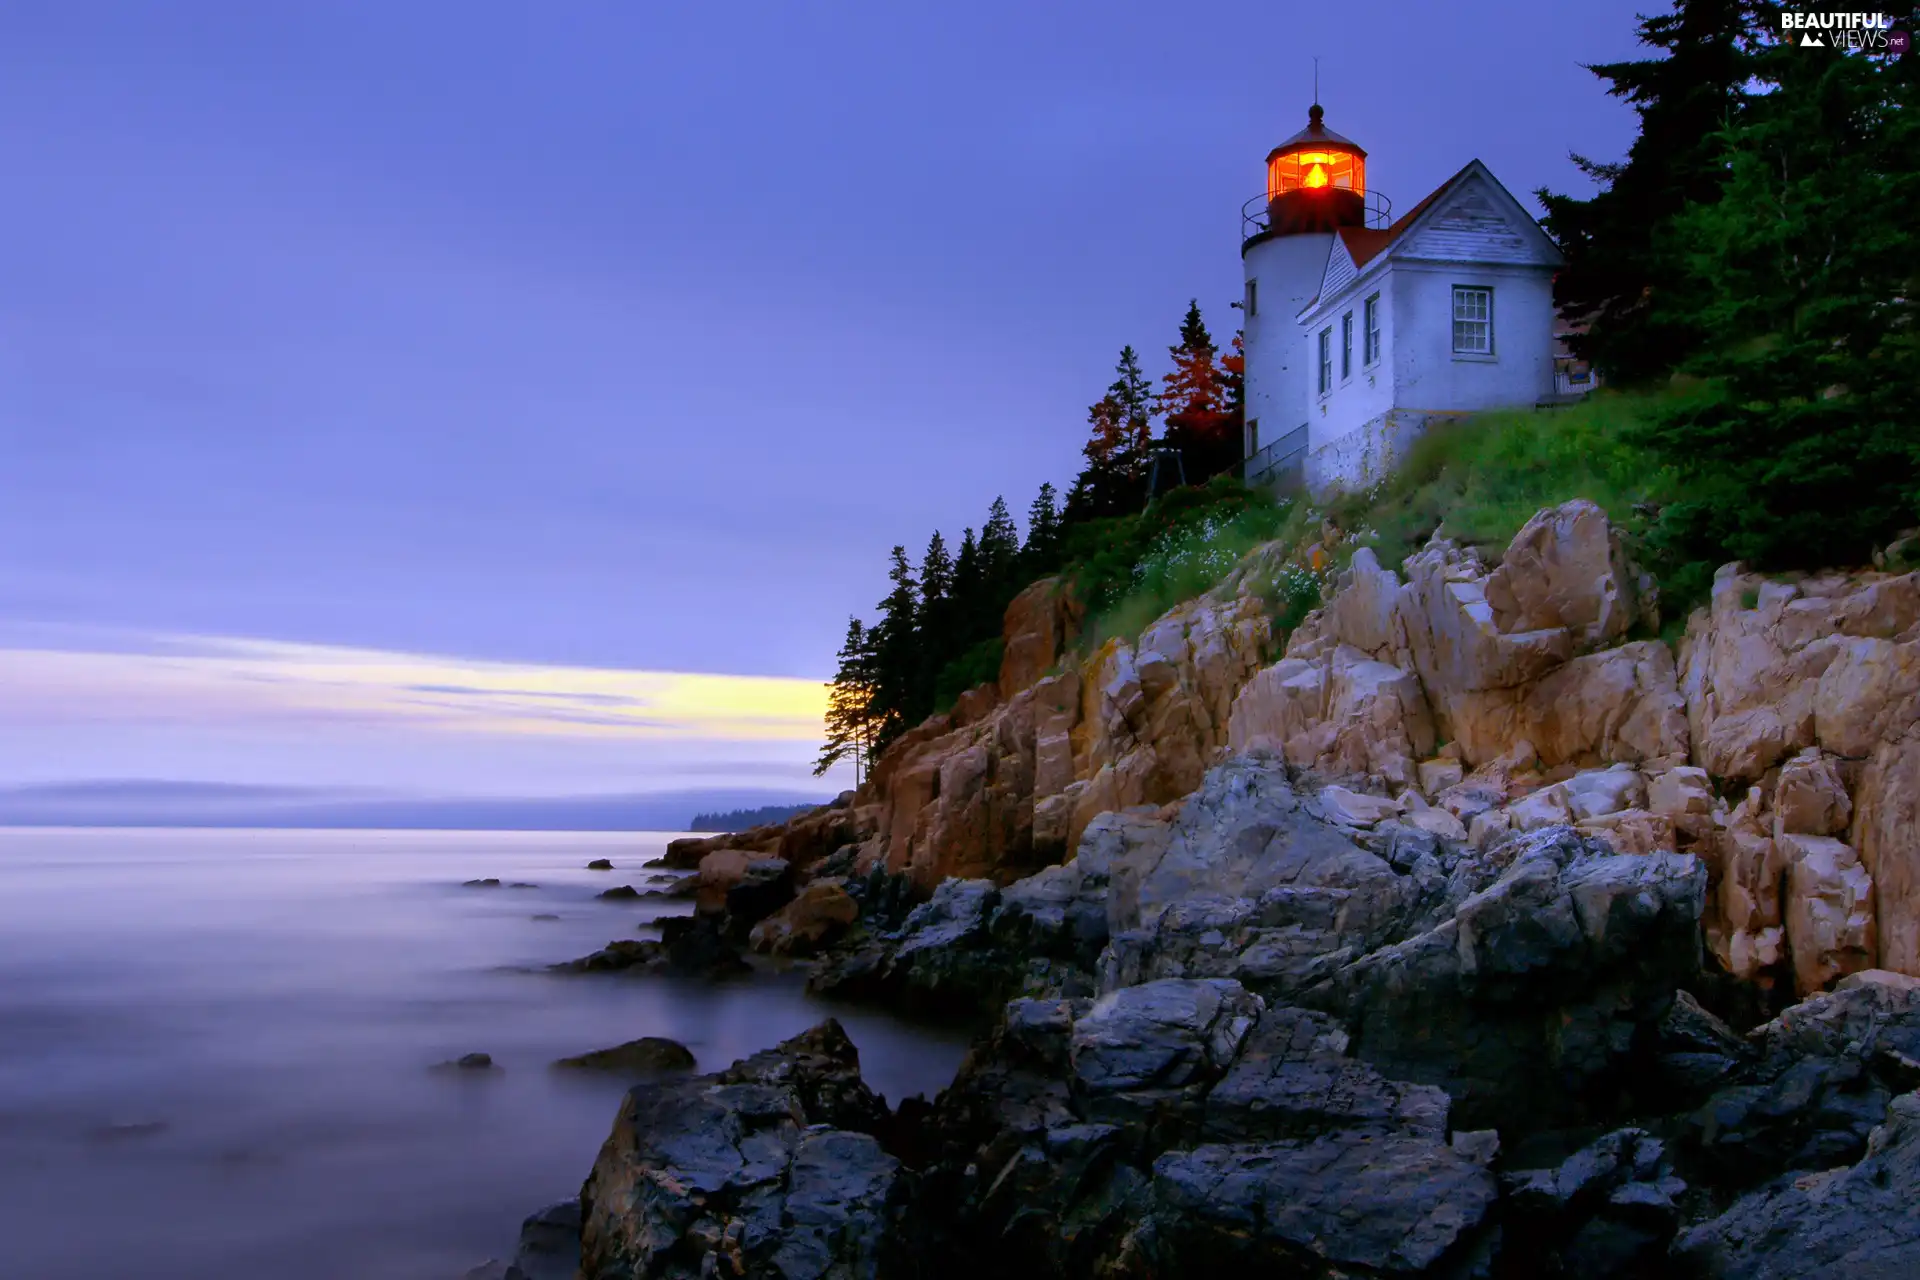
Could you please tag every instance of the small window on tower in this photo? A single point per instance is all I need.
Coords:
(1346, 346)
(1253, 436)
(1326, 360)
(1372, 316)
(1253, 297)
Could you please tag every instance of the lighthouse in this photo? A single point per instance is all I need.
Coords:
(1316, 184)
(1363, 332)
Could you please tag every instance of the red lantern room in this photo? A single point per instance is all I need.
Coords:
(1316, 181)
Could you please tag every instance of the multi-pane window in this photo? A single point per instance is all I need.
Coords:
(1472, 320)
(1372, 318)
(1346, 346)
(1326, 360)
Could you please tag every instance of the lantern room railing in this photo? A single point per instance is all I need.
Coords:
(1256, 214)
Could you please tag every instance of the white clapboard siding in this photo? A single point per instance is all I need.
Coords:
(1471, 228)
(1340, 270)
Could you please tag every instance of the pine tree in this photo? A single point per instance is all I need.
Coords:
(1119, 441)
(999, 553)
(1805, 451)
(895, 645)
(968, 590)
(1041, 555)
(1131, 393)
(1194, 401)
(1619, 254)
(937, 628)
(850, 710)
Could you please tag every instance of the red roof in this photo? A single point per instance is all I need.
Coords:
(1365, 244)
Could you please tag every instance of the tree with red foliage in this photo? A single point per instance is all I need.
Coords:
(1197, 402)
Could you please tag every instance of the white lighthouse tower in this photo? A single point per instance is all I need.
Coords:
(1316, 185)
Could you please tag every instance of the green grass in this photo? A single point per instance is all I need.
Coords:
(1131, 570)
(1483, 477)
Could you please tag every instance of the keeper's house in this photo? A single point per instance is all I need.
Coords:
(1361, 329)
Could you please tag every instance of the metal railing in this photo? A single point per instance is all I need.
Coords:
(1280, 466)
(1257, 214)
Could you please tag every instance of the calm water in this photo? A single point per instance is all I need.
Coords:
(215, 1046)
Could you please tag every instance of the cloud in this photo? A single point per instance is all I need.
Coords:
(209, 681)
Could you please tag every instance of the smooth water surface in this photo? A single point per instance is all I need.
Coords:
(216, 1047)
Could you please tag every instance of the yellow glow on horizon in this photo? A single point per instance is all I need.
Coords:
(228, 680)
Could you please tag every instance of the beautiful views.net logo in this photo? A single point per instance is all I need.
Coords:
(1868, 31)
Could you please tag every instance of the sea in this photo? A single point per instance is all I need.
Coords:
(218, 1048)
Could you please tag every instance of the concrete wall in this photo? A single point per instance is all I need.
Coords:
(1288, 270)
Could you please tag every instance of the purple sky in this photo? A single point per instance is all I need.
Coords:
(613, 336)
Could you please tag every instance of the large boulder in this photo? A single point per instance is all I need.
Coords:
(1850, 1223)
(769, 1168)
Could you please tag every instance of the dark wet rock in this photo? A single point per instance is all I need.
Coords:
(1609, 1210)
(600, 864)
(468, 1062)
(1851, 1223)
(544, 915)
(769, 1168)
(649, 1053)
(491, 882)
(549, 1244)
(1324, 1207)
(619, 893)
(1816, 1082)
(681, 887)
(765, 885)
(523, 884)
(973, 945)
(688, 945)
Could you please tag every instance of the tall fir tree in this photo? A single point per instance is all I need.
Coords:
(1119, 440)
(937, 623)
(1619, 253)
(850, 706)
(1041, 554)
(968, 589)
(1804, 451)
(895, 646)
(1195, 403)
(999, 562)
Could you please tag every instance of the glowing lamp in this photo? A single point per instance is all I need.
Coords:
(1316, 180)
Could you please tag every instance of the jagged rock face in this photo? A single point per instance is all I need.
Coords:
(1040, 625)
(1483, 701)
(1178, 1127)
(769, 1168)
(1853, 1223)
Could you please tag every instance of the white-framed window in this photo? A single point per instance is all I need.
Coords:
(1326, 360)
(1371, 323)
(1253, 297)
(1346, 346)
(1472, 320)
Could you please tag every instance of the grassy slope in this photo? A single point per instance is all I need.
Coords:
(1477, 480)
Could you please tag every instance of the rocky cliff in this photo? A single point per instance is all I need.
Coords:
(1374, 948)
(1781, 743)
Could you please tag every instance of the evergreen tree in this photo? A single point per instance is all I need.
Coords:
(1195, 403)
(1804, 451)
(850, 709)
(1619, 255)
(1233, 381)
(1119, 441)
(895, 646)
(1132, 395)
(937, 623)
(1041, 555)
(968, 589)
(999, 560)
